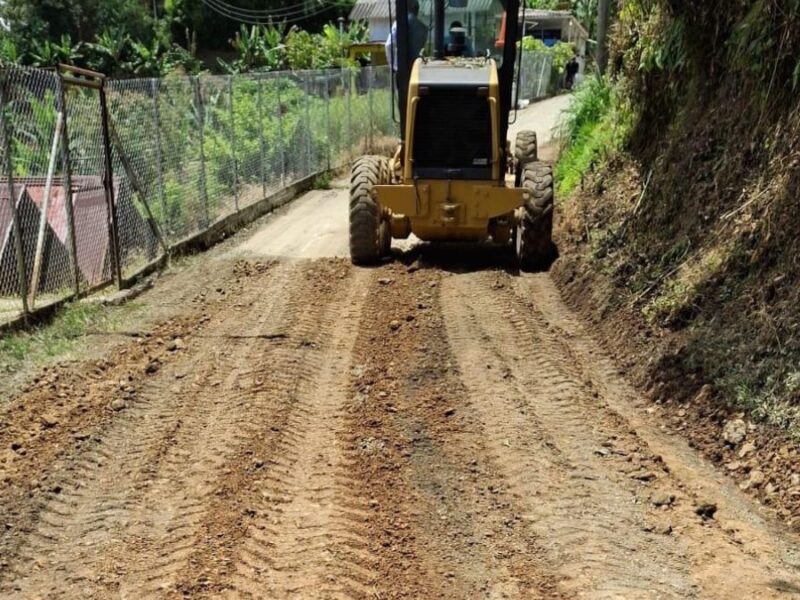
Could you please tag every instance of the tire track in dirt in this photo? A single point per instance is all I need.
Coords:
(739, 552)
(61, 421)
(439, 524)
(556, 454)
(605, 527)
(287, 523)
(295, 306)
(134, 498)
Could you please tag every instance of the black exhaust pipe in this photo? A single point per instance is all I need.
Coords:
(438, 29)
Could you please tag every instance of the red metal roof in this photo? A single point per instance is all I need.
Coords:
(90, 214)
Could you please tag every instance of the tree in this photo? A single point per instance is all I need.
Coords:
(82, 20)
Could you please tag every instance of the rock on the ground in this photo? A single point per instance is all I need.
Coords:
(118, 404)
(756, 478)
(746, 449)
(734, 432)
(663, 499)
(48, 421)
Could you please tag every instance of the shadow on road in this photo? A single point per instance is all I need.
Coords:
(460, 258)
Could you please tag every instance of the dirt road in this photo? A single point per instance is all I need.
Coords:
(306, 429)
(295, 427)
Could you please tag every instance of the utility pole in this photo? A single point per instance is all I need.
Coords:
(602, 35)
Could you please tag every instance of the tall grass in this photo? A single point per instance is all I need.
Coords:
(596, 124)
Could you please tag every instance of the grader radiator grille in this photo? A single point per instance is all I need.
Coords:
(453, 135)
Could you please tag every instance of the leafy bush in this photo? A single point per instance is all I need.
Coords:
(561, 52)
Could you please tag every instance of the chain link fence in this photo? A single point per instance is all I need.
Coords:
(87, 201)
(535, 75)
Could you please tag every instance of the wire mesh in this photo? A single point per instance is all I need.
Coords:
(90, 204)
(139, 197)
(185, 152)
(535, 75)
(34, 229)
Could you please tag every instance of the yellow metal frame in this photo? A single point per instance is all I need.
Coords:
(447, 209)
(376, 51)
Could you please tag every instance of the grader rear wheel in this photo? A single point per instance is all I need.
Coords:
(369, 232)
(535, 248)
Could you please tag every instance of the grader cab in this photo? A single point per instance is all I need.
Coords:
(453, 177)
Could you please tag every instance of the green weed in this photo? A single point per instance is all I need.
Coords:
(322, 182)
(55, 338)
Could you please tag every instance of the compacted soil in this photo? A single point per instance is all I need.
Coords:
(438, 427)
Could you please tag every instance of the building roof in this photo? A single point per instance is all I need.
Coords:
(89, 211)
(550, 18)
(364, 10)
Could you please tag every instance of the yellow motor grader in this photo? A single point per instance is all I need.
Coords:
(453, 176)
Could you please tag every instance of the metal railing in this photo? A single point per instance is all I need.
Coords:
(101, 178)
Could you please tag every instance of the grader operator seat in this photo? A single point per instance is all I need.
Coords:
(450, 178)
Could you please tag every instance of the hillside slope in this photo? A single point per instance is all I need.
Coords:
(681, 241)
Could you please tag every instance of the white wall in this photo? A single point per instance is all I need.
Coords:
(379, 29)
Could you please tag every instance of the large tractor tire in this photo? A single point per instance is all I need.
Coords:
(369, 232)
(526, 148)
(535, 248)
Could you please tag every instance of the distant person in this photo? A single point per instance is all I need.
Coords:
(458, 44)
(573, 66)
(417, 37)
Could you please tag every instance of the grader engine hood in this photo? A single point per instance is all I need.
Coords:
(452, 132)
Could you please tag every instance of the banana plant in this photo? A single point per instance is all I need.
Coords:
(108, 50)
(49, 54)
(145, 61)
(258, 48)
(8, 50)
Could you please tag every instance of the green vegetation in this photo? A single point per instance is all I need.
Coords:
(291, 126)
(133, 38)
(596, 124)
(322, 181)
(54, 338)
(560, 53)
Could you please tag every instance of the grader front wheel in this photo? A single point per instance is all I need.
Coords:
(369, 232)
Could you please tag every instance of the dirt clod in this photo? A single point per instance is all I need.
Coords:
(49, 421)
(706, 510)
(663, 499)
(118, 404)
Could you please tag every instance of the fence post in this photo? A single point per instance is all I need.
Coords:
(233, 144)
(370, 76)
(21, 272)
(349, 112)
(201, 120)
(281, 145)
(328, 136)
(261, 142)
(72, 243)
(154, 84)
(38, 256)
(545, 66)
(108, 185)
(309, 170)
